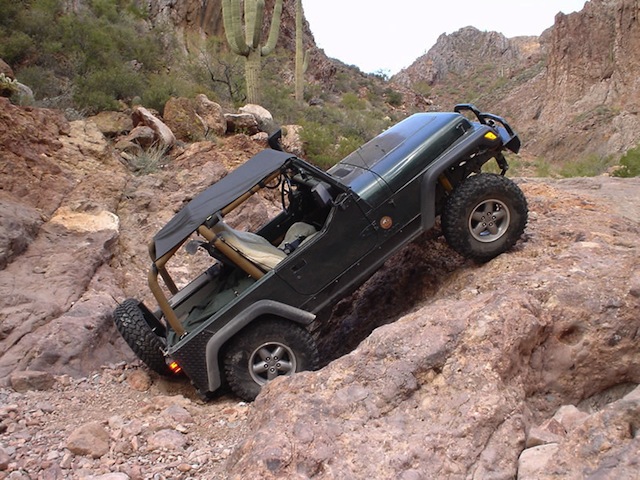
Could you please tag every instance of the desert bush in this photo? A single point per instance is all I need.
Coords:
(212, 67)
(15, 47)
(42, 81)
(629, 165)
(589, 166)
(542, 168)
(351, 101)
(346, 145)
(149, 160)
(101, 89)
(319, 143)
(102, 49)
(394, 98)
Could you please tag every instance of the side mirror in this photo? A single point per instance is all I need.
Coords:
(274, 140)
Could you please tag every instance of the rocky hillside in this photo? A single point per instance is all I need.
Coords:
(523, 366)
(572, 92)
(468, 52)
(205, 18)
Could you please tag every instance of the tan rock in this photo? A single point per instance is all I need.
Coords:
(164, 135)
(31, 380)
(292, 141)
(241, 123)
(112, 124)
(550, 431)
(139, 380)
(534, 461)
(181, 117)
(80, 221)
(167, 439)
(263, 117)
(90, 439)
(140, 136)
(569, 417)
(212, 116)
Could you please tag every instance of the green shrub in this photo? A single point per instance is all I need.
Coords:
(629, 165)
(589, 166)
(149, 160)
(101, 89)
(394, 98)
(423, 88)
(542, 167)
(15, 47)
(160, 87)
(351, 101)
(319, 143)
(41, 81)
(346, 145)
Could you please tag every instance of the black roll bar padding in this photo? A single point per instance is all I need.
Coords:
(472, 108)
(510, 139)
(274, 140)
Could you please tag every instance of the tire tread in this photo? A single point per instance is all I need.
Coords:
(135, 330)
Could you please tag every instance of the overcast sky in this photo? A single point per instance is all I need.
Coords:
(387, 36)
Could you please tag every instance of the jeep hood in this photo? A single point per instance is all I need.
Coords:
(216, 197)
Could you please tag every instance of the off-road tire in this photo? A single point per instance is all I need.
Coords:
(484, 216)
(253, 347)
(139, 335)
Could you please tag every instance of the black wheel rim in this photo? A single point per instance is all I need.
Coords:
(489, 220)
(271, 360)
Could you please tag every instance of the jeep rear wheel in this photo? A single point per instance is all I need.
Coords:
(484, 217)
(266, 350)
(137, 329)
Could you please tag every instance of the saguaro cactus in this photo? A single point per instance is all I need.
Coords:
(246, 41)
(302, 56)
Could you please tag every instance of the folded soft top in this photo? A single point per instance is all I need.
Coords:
(216, 197)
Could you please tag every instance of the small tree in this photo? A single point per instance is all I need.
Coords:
(245, 42)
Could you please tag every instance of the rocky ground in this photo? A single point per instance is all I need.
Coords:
(118, 423)
(524, 367)
(122, 422)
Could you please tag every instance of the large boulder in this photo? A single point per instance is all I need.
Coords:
(193, 120)
(164, 135)
(212, 116)
(56, 290)
(262, 115)
(181, 117)
(112, 124)
(244, 123)
(600, 445)
(453, 387)
(292, 140)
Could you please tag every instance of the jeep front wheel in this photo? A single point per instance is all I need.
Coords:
(265, 350)
(137, 329)
(484, 217)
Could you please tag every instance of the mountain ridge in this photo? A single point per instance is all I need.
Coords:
(571, 92)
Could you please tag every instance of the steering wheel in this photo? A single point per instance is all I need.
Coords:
(286, 192)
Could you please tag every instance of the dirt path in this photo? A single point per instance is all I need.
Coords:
(621, 194)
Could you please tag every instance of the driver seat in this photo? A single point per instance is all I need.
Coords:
(253, 247)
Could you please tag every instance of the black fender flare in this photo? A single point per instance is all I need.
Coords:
(256, 310)
(461, 150)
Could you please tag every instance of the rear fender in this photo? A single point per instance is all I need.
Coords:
(256, 310)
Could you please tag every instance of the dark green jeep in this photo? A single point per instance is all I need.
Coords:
(246, 318)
